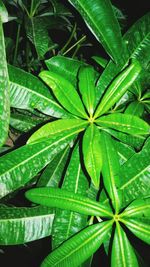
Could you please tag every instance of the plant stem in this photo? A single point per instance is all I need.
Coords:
(78, 42)
(69, 40)
(17, 44)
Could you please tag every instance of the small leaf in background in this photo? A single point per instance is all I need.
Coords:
(118, 87)
(124, 123)
(101, 61)
(135, 108)
(80, 247)
(110, 171)
(24, 123)
(122, 252)
(92, 153)
(64, 92)
(4, 80)
(87, 88)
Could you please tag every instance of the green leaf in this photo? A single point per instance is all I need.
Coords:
(135, 108)
(137, 209)
(138, 228)
(56, 127)
(52, 174)
(27, 161)
(31, 224)
(118, 87)
(28, 92)
(80, 247)
(92, 153)
(124, 151)
(124, 123)
(87, 88)
(122, 252)
(101, 61)
(4, 83)
(110, 171)
(102, 22)
(65, 66)
(3, 13)
(135, 173)
(24, 123)
(37, 27)
(64, 92)
(34, 5)
(67, 223)
(63, 199)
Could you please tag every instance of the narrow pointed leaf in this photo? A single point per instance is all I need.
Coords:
(125, 123)
(3, 12)
(135, 175)
(67, 223)
(4, 82)
(122, 252)
(92, 153)
(28, 92)
(102, 22)
(79, 248)
(110, 171)
(87, 88)
(101, 61)
(64, 92)
(139, 228)
(118, 87)
(56, 127)
(30, 224)
(64, 199)
(24, 123)
(124, 151)
(22, 164)
(137, 209)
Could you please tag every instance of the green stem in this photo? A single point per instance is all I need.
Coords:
(69, 40)
(17, 44)
(76, 50)
(78, 42)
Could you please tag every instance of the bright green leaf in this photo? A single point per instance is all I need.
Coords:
(137, 209)
(3, 13)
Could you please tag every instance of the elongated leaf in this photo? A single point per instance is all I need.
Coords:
(110, 171)
(124, 151)
(19, 166)
(67, 223)
(64, 92)
(52, 174)
(80, 247)
(34, 5)
(56, 127)
(136, 39)
(135, 108)
(30, 224)
(100, 60)
(122, 252)
(138, 228)
(24, 123)
(101, 20)
(28, 92)
(87, 88)
(118, 87)
(137, 209)
(4, 81)
(65, 66)
(92, 153)
(125, 123)
(135, 173)
(63, 199)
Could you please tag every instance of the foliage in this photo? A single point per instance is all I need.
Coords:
(85, 158)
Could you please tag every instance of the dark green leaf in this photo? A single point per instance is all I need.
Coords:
(135, 108)
(24, 123)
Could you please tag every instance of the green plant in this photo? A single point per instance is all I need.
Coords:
(89, 127)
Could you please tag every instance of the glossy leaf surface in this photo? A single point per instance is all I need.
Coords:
(79, 248)
(124, 151)
(63, 199)
(64, 92)
(3, 12)
(24, 123)
(21, 225)
(135, 108)
(137, 209)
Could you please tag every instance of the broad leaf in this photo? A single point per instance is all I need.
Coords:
(101, 20)
(24, 123)
(52, 174)
(110, 171)
(138, 228)
(125, 123)
(118, 87)
(64, 92)
(56, 127)
(135, 108)
(4, 81)
(67, 223)
(135, 175)
(122, 252)
(22, 164)
(63, 199)
(124, 151)
(28, 92)
(80, 247)
(137, 209)
(87, 88)
(92, 153)
(31, 224)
